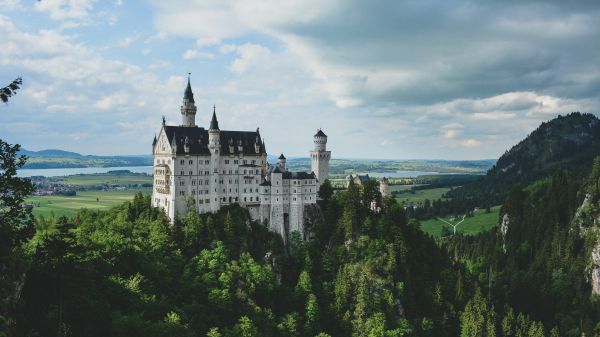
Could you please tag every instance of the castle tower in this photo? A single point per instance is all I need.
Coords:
(282, 163)
(188, 108)
(384, 187)
(320, 157)
(214, 146)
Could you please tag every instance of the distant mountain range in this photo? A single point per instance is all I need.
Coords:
(53, 158)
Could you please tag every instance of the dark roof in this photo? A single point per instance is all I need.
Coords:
(298, 175)
(188, 94)
(320, 133)
(198, 140)
(282, 156)
(214, 124)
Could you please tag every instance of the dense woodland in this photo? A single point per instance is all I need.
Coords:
(129, 272)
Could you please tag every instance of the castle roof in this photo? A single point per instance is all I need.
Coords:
(281, 157)
(214, 124)
(320, 133)
(198, 141)
(188, 94)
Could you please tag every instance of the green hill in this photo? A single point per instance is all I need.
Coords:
(567, 142)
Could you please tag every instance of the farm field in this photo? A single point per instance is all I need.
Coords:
(408, 197)
(481, 221)
(99, 179)
(68, 206)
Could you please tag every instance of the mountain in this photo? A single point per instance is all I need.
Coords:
(50, 153)
(568, 142)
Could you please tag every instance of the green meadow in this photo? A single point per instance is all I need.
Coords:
(68, 206)
(480, 221)
(407, 196)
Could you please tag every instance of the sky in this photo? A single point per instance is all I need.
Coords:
(414, 79)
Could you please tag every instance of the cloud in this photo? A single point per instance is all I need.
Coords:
(65, 9)
(250, 55)
(471, 142)
(195, 54)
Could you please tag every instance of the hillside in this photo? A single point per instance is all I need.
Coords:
(567, 142)
(53, 158)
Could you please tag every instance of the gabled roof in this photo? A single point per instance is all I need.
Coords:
(198, 140)
(281, 156)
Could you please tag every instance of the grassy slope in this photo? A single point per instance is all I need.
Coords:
(68, 206)
(419, 196)
(479, 222)
(99, 179)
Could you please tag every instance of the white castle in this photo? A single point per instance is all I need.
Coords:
(202, 170)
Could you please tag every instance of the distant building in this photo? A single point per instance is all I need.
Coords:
(203, 170)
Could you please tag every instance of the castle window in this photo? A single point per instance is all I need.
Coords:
(194, 192)
(235, 161)
(229, 171)
(257, 190)
(223, 171)
(193, 182)
(244, 199)
(191, 162)
(220, 181)
(207, 200)
(244, 171)
(191, 172)
(226, 161)
(245, 162)
(294, 199)
(250, 198)
(224, 190)
(182, 162)
(181, 183)
(253, 162)
(181, 192)
(207, 162)
(206, 182)
(182, 173)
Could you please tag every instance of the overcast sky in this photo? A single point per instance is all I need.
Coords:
(383, 78)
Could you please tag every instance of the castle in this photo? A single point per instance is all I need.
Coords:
(203, 170)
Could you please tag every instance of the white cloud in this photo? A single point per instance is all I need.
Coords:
(65, 9)
(471, 142)
(250, 55)
(208, 41)
(195, 54)
(126, 41)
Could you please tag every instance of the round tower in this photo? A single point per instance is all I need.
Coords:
(384, 187)
(319, 157)
(188, 108)
(282, 162)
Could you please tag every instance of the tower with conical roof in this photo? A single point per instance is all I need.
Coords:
(319, 157)
(188, 108)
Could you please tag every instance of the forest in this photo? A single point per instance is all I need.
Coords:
(367, 270)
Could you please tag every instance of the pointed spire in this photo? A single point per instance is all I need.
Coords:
(214, 124)
(189, 95)
(164, 120)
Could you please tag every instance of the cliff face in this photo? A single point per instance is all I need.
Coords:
(595, 269)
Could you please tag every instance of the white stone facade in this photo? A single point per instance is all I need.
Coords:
(203, 170)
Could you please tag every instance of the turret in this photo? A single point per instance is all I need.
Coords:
(320, 140)
(384, 187)
(319, 157)
(188, 108)
(214, 134)
(282, 163)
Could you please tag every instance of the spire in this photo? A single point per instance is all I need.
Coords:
(189, 95)
(214, 124)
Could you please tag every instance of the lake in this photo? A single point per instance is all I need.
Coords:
(60, 172)
(402, 174)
